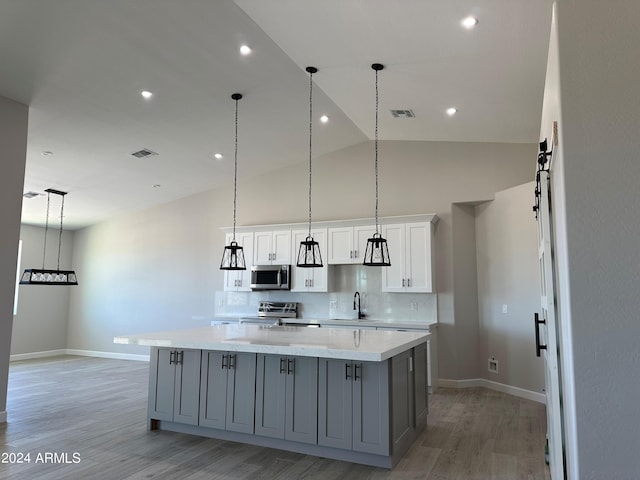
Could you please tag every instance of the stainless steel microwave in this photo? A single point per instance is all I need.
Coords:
(270, 277)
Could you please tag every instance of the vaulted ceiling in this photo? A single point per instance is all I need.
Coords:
(81, 66)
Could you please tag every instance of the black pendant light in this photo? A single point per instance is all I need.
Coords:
(233, 255)
(44, 276)
(309, 253)
(377, 252)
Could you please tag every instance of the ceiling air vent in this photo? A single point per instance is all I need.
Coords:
(402, 114)
(31, 194)
(145, 152)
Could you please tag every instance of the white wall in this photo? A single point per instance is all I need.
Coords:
(13, 150)
(508, 274)
(599, 47)
(158, 269)
(40, 324)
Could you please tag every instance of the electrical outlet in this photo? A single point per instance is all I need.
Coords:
(414, 306)
(505, 309)
(220, 302)
(333, 304)
(493, 365)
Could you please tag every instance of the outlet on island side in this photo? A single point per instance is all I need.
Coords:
(493, 365)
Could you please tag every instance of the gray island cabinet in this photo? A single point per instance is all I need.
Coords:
(358, 396)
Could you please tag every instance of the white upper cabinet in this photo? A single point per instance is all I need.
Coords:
(347, 244)
(238, 280)
(410, 251)
(309, 279)
(272, 248)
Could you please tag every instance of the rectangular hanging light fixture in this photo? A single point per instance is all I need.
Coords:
(45, 276)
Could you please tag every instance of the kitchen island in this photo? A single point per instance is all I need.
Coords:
(355, 395)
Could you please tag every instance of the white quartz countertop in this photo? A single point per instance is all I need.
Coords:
(347, 344)
(340, 322)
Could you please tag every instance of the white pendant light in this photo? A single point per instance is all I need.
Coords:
(43, 276)
(233, 255)
(309, 253)
(377, 252)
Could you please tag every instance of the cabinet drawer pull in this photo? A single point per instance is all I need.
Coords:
(224, 362)
(355, 372)
(347, 371)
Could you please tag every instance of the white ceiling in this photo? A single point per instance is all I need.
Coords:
(80, 65)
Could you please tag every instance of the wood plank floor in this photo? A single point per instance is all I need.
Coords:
(96, 409)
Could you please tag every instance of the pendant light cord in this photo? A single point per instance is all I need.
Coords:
(60, 236)
(235, 173)
(310, 136)
(376, 150)
(46, 228)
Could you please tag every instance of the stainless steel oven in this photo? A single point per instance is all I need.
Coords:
(270, 277)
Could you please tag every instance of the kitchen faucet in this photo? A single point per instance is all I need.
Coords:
(360, 314)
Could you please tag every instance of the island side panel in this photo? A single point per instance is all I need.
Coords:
(371, 402)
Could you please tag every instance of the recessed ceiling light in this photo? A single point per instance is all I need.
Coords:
(245, 49)
(451, 111)
(324, 118)
(218, 156)
(46, 153)
(146, 94)
(469, 22)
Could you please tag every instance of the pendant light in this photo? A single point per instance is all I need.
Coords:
(377, 252)
(233, 255)
(43, 276)
(309, 253)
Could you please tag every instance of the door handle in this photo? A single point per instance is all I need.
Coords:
(179, 357)
(232, 361)
(291, 366)
(355, 372)
(347, 371)
(224, 362)
(282, 360)
(172, 357)
(537, 323)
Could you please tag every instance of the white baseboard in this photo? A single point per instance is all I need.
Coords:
(3, 417)
(29, 356)
(117, 356)
(83, 353)
(500, 387)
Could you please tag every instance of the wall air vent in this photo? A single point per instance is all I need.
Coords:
(31, 194)
(145, 152)
(402, 114)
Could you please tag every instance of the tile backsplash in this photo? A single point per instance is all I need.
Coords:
(344, 280)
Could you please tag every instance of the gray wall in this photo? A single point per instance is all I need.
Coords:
(158, 269)
(13, 150)
(40, 324)
(599, 47)
(507, 256)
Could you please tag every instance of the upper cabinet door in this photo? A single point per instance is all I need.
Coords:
(272, 248)
(410, 251)
(360, 237)
(238, 280)
(340, 245)
(393, 277)
(418, 257)
(282, 247)
(309, 279)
